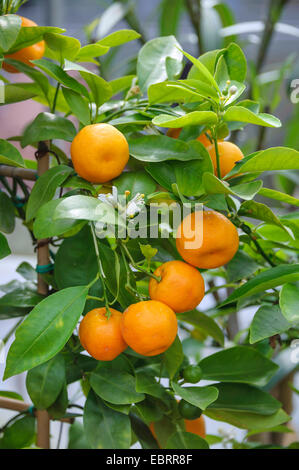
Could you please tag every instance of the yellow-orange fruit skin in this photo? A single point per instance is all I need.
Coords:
(33, 52)
(229, 155)
(195, 426)
(149, 327)
(220, 240)
(99, 153)
(181, 287)
(101, 337)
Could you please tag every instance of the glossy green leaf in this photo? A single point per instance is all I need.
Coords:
(240, 267)
(257, 210)
(248, 420)
(117, 388)
(20, 434)
(236, 62)
(278, 196)
(187, 91)
(23, 296)
(204, 73)
(32, 35)
(201, 397)
(146, 383)
(122, 83)
(118, 38)
(45, 382)
(203, 323)
(173, 357)
(14, 93)
(191, 119)
(268, 321)
(213, 185)
(158, 148)
(87, 53)
(62, 47)
(10, 26)
(45, 188)
(9, 155)
(289, 301)
(268, 279)
(45, 226)
(4, 247)
(47, 126)
(186, 440)
(155, 52)
(135, 182)
(38, 77)
(240, 114)
(27, 271)
(238, 364)
(78, 105)
(84, 208)
(105, 428)
(189, 175)
(46, 330)
(243, 397)
(7, 213)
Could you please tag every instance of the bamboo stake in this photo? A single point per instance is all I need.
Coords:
(14, 172)
(43, 258)
(18, 405)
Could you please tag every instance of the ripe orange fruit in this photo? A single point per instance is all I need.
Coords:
(196, 426)
(33, 52)
(99, 153)
(175, 133)
(181, 287)
(149, 327)
(100, 336)
(214, 238)
(229, 154)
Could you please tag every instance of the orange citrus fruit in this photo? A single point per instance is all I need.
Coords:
(181, 287)
(100, 336)
(207, 240)
(33, 52)
(99, 153)
(149, 327)
(229, 154)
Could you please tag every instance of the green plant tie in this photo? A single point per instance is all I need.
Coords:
(44, 268)
(31, 410)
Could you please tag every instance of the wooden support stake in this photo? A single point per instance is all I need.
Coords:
(43, 258)
(14, 172)
(18, 405)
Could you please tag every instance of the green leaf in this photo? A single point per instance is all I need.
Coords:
(204, 73)
(236, 62)
(119, 37)
(45, 226)
(201, 397)
(289, 301)
(187, 91)
(275, 158)
(248, 420)
(20, 434)
(56, 72)
(87, 53)
(77, 438)
(146, 383)
(45, 188)
(278, 196)
(75, 251)
(191, 119)
(23, 296)
(135, 182)
(10, 26)
(47, 126)
(173, 357)
(78, 105)
(27, 271)
(84, 208)
(105, 428)
(9, 155)
(257, 210)
(266, 280)
(100, 89)
(238, 364)
(62, 47)
(31, 35)
(45, 382)
(117, 387)
(158, 148)
(170, 16)
(240, 114)
(240, 267)
(186, 440)
(46, 330)
(58, 409)
(4, 247)
(268, 321)
(243, 397)
(156, 52)
(142, 432)
(39, 78)
(121, 84)
(203, 323)
(213, 185)
(14, 93)
(7, 213)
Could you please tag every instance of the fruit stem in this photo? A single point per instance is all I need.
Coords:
(92, 297)
(139, 268)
